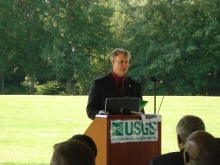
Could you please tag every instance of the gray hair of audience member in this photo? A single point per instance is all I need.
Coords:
(87, 140)
(187, 125)
(118, 51)
(210, 152)
(72, 152)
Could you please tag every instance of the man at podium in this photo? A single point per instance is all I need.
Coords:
(113, 85)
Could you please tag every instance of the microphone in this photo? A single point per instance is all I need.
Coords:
(149, 77)
(125, 111)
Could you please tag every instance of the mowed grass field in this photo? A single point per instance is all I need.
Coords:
(31, 125)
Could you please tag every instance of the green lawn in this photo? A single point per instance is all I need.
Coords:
(31, 125)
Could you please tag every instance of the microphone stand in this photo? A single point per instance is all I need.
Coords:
(155, 92)
(155, 88)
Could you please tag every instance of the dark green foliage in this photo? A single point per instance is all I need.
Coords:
(174, 42)
(177, 41)
(50, 88)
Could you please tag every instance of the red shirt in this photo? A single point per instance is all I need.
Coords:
(117, 79)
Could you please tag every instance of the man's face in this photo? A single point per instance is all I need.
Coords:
(120, 65)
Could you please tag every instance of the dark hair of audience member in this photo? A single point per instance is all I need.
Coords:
(72, 152)
(86, 139)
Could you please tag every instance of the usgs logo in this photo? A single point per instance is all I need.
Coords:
(133, 128)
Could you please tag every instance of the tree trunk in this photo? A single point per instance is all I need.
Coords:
(68, 87)
(32, 92)
(2, 80)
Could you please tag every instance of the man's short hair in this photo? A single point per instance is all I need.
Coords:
(187, 125)
(72, 152)
(118, 51)
(210, 152)
(87, 140)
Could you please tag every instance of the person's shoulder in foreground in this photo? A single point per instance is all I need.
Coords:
(209, 154)
(72, 152)
(172, 158)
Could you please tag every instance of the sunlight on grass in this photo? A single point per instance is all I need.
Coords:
(31, 125)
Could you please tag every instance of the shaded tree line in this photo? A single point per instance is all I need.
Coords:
(174, 40)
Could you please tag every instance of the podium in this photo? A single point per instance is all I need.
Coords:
(142, 141)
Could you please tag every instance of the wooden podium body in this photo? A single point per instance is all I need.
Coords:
(127, 153)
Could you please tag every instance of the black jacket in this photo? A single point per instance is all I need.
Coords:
(105, 87)
(172, 158)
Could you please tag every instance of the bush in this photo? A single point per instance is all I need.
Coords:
(50, 88)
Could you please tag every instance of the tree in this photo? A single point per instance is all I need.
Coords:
(76, 23)
(6, 42)
(29, 36)
(172, 40)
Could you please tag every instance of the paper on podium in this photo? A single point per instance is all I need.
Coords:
(142, 104)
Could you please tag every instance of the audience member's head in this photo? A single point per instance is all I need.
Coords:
(87, 140)
(186, 126)
(72, 152)
(210, 152)
(192, 146)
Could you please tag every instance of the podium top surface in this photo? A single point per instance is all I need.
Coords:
(135, 116)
